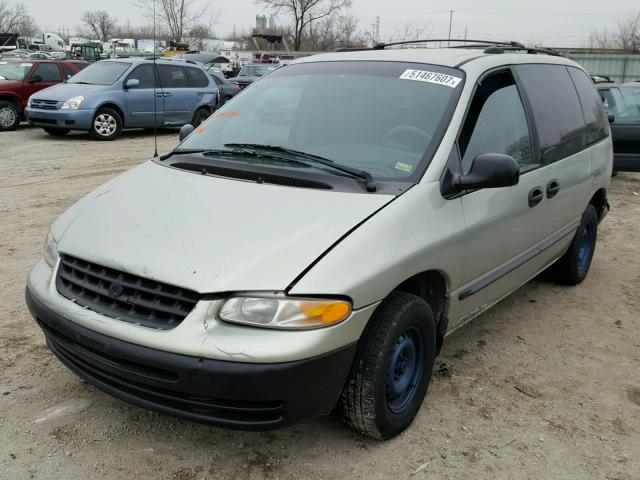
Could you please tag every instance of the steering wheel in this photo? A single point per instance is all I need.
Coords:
(408, 138)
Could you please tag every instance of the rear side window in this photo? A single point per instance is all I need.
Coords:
(216, 80)
(496, 122)
(143, 73)
(172, 76)
(597, 124)
(197, 78)
(49, 72)
(556, 109)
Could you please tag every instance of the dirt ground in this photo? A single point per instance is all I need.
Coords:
(544, 386)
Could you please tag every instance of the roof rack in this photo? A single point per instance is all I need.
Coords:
(489, 46)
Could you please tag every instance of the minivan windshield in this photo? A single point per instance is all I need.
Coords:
(14, 70)
(255, 70)
(385, 118)
(101, 73)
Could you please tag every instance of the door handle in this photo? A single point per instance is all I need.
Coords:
(553, 187)
(159, 94)
(535, 196)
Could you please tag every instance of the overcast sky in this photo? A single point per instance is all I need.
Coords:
(552, 22)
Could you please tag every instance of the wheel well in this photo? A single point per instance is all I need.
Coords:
(115, 107)
(16, 101)
(599, 202)
(431, 286)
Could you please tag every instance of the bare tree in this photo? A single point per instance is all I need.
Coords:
(100, 24)
(179, 16)
(601, 39)
(628, 36)
(411, 30)
(199, 34)
(305, 12)
(17, 20)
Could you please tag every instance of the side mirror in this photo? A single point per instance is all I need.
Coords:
(490, 170)
(131, 83)
(611, 117)
(185, 131)
(35, 79)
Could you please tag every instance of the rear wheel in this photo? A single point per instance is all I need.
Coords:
(392, 368)
(200, 116)
(9, 116)
(573, 266)
(106, 125)
(56, 132)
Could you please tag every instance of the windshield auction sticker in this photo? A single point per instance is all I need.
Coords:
(431, 77)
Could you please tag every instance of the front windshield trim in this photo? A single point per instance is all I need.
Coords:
(445, 118)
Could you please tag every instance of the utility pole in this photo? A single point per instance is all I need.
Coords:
(465, 34)
(450, 22)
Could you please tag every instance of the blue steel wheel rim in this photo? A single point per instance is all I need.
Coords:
(404, 374)
(585, 248)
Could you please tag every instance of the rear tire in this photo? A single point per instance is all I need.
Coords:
(56, 132)
(573, 266)
(9, 116)
(106, 125)
(392, 368)
(200, 116)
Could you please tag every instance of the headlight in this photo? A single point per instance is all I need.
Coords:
(29, 101)
(284, 312)
(73, 103)
(50, 250)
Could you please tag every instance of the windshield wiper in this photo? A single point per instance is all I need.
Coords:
(243, 152)
(354, 172)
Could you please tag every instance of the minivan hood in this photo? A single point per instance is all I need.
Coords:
(64, 91)
(208, 234)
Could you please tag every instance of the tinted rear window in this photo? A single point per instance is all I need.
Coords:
(172, 76)
(197, 78)
(556, 109)
(597, 124)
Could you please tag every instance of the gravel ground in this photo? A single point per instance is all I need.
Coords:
(546, 385)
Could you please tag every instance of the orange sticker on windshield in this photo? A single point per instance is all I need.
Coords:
(226, 114)
(200, 130)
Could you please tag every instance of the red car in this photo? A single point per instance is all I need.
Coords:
(19, 79)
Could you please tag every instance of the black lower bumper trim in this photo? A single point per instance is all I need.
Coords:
(247, 396)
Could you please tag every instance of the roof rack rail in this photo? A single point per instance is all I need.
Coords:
(489, 46)
(382, 46)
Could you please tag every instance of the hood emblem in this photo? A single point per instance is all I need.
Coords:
(115, 290)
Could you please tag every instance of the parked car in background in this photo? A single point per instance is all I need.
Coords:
(19, 79)
(316, 239)
(250, 73)
(227, 89)
(112, 95)
(623, 102)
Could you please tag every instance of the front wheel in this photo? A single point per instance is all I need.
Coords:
(9, 116)
(106, 125)
(573, 266)
(392, 368)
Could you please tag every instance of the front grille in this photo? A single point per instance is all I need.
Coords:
(44, 104)
(122, 295)
(157, 387)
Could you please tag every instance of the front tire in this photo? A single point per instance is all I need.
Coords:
(106, 125)
(572, 268)
(392, 368)
(9, 116)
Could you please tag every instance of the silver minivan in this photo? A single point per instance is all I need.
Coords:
(309, 247)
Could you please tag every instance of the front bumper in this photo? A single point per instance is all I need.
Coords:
(248, 396)
(67, 119)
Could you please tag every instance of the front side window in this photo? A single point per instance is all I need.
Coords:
(143, 73)
(623, 103)
(370, 116)
(101, 73)
(556, 109)
(496, 123)
(48, 72)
